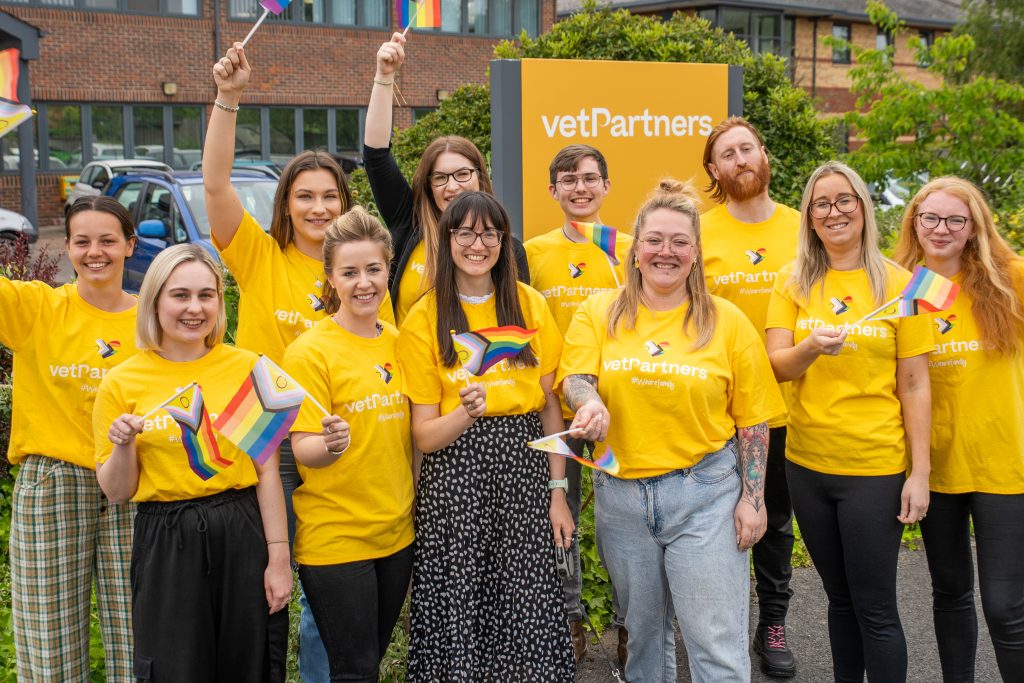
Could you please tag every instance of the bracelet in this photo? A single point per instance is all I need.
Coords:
(337, 453)
(273, 542)
(380, 82)
(221, 105)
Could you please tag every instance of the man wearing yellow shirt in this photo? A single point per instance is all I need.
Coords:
(747, 237)
(566, 268)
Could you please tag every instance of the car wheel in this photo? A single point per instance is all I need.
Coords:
(9, 236)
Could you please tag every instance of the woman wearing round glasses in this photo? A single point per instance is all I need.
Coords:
(661, 356)
(449, 166)
(860, 399)
(977, 440)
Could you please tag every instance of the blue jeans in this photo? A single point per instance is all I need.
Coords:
(669, 543)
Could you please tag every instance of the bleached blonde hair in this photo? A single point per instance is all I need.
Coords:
(148, 333)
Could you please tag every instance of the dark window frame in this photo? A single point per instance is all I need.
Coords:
(79, 5)
(842, 55)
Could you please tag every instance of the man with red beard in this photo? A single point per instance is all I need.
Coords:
(746, 239)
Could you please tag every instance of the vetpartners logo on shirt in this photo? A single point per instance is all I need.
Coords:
(755, 256)
(663, 368)
(840, 306)
(385, 372)
(577, 269)
(945, 324)
(107, 349)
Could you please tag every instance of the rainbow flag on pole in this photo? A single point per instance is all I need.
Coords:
(926, 291)
(9, 74)
(602, 235)
(422, 14)
(275, 7)
(555, 444)
(479, 350)
(189, 410)
(262, 411)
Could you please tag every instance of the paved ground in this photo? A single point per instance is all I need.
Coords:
(51, 237)
(808, 632)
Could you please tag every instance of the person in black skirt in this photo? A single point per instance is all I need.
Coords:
(486, 600)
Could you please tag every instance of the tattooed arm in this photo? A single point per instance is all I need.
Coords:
(750, 517)
(592, 420)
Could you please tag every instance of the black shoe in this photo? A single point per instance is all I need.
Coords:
(770, 645)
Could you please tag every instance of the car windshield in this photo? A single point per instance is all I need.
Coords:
(256, 195)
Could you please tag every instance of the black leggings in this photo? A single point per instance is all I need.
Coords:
(999, 536)
(849, 525)
(356, 605)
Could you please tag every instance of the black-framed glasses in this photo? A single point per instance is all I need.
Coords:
(930, 221)
(466, 237)
(678, 246)
(846, 204)
(569, 182)
(461, 175)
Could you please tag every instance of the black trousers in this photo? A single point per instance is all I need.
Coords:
(773, 554)
(999, 537)
(356, 605)
(849, 525)
(199, 609)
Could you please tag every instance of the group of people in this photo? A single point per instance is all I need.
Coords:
(733, 340)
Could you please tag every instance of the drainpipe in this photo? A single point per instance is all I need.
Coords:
(814, 57)
(216, 31)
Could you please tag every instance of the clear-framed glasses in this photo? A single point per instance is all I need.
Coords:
(677, 246)
(465, 237)
(846, 204)
(929, 221)
(461, 175)
(569, 182)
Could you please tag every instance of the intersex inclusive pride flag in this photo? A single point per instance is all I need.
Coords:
(479, 350)
(423, 14)
(555, 444)
(602, 235)
(262, 411)
(189, 410)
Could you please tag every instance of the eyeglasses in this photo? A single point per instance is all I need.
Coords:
(569, 182)
(465, 237)
(461, 175)
(654, 245)
(930, 221)
(846, 204)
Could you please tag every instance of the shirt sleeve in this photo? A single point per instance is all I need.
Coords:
(782, 310)
(418, 359)
(19, 310)
(581, 354)
(914, 336)
(550, 337)
(311, 372)
(108, 407)
(755, 396)
(249, 252)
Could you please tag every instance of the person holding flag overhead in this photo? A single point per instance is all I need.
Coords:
(861, 405)
(567, 266)
(353, 512)
(210, 562)
(486, 601)
(661, 356)
(977, 444)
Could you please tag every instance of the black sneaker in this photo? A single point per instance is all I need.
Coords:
(770, 645)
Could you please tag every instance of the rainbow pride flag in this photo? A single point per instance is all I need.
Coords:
(262, 411)
(927, 291)
(189, 411)
(602, 235)
(555, 444)
(9, 74)
(275, 7)
(422, 14)
(479, 350)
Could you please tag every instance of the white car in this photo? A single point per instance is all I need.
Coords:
(96, 174)
(13, 224)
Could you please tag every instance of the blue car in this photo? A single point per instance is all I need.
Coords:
(169, 208)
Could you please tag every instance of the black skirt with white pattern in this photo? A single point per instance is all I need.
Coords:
(487, 604)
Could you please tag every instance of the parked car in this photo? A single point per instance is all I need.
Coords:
(255, 165)
(169, 208)
(13, 224)
(96, 174)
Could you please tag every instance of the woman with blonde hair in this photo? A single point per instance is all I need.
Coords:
(676, 522)
(977, 445)
(210, 564)
(353, 512)
(861, 403)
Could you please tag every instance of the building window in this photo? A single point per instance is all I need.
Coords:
(282, 135)
(64, 128)
(841, 55)
(314, 129)
(927, 40)
(373, 13)
(169, 7)
(249, 134)
(764, 31)
(107, 133)
(148, 133)
(419, 112)
(186, 137)
(346, 130)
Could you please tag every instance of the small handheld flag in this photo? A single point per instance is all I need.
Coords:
(13, 115)
(555, 444)
(927, 291)
(418, 14)
(602, 235)
(480, 350)
(274, 7)
(189, 411)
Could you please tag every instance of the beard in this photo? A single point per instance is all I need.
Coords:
(745, 187)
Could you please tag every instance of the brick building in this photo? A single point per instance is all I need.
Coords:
(131, 78)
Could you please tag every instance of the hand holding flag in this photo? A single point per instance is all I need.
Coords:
(927, 291)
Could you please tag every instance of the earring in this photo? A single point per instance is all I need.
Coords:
(636, 262)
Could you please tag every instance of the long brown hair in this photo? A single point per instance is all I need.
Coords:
(988, 265)
(701, 315)
(470, 208)
(310, 160)
(356, 225)
(425, 210)
(102, 204)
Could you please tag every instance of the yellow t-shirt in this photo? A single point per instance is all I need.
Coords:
(669, 404)
(360, 507)
(410, 287)
(510, 390)
(742, 260)
(62, 348)
(977, 407)
(845, 417)
(147, 380)
(280, 290)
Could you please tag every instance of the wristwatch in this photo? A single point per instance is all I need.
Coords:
(558, 484)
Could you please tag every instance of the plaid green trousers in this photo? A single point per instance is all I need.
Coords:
(65, 534)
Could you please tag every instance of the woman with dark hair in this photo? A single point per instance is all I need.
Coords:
(486, 600)
(449, 166)
(977, 477)
(64, 533)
